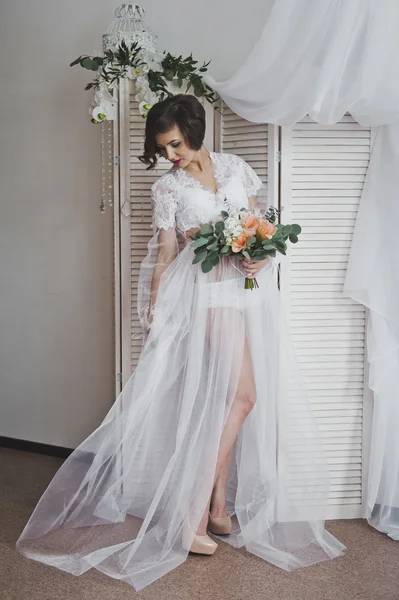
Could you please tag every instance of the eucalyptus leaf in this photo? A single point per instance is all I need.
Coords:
(219, 227)
(293, 238)
(213, 255)
(213, 246)
(200, 256)
(87, 63)
(206, 266)
(286, 230)
(199, 242)
(76, 62)
(206, 229)
(280, 245)
(296, 228)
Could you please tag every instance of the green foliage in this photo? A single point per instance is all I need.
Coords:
(209, 243)
(114, 64)
(206, 229)
(199, 242)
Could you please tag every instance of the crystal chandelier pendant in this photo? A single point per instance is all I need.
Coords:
(107, 166)
(129, 26)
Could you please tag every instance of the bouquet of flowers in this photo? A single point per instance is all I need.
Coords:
(245, 233)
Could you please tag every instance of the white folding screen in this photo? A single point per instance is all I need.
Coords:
(316, 173)
(323, 168)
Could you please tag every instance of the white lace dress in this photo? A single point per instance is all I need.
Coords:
(121, 501)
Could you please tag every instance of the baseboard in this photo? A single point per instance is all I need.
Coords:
(38, 448)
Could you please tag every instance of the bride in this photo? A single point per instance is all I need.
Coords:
(212, 433)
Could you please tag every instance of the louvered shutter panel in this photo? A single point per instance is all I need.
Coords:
(135, 222)
(235, 135)
(135, 217)
(323, 168)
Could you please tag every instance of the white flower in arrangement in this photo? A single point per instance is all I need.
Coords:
(233, 226)
(144, 107)
(146, 95)
(149, 96)
(152, 60)
(135, 73)
(131, 73)
(142, 84)
(103, 107)
(135, 64)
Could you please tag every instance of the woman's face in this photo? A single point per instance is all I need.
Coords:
(173, 147)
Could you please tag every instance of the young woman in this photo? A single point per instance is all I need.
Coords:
(206, 436)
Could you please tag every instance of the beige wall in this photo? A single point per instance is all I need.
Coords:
(56, 355)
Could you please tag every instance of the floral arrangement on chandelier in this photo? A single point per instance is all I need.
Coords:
(150, 72)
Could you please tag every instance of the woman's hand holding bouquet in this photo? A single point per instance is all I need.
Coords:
(249, 234)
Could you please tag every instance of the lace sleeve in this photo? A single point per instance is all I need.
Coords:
(163, 202)
(250, 179)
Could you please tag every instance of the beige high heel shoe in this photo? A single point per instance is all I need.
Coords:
(219, 525)
(199, 544)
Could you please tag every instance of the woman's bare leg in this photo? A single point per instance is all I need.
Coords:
(218, 497)
(242, 404)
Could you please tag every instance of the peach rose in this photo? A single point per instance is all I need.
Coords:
(266, 230)
(250, 225)
(239, 243)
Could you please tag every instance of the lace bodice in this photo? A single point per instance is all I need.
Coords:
(179, 200)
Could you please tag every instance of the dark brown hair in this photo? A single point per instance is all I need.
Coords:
(182, 110)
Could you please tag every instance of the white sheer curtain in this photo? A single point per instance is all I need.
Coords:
(324, 58)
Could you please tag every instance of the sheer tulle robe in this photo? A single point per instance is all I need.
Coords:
(125, 499)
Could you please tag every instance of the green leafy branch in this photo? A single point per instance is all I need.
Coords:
(114, 65)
